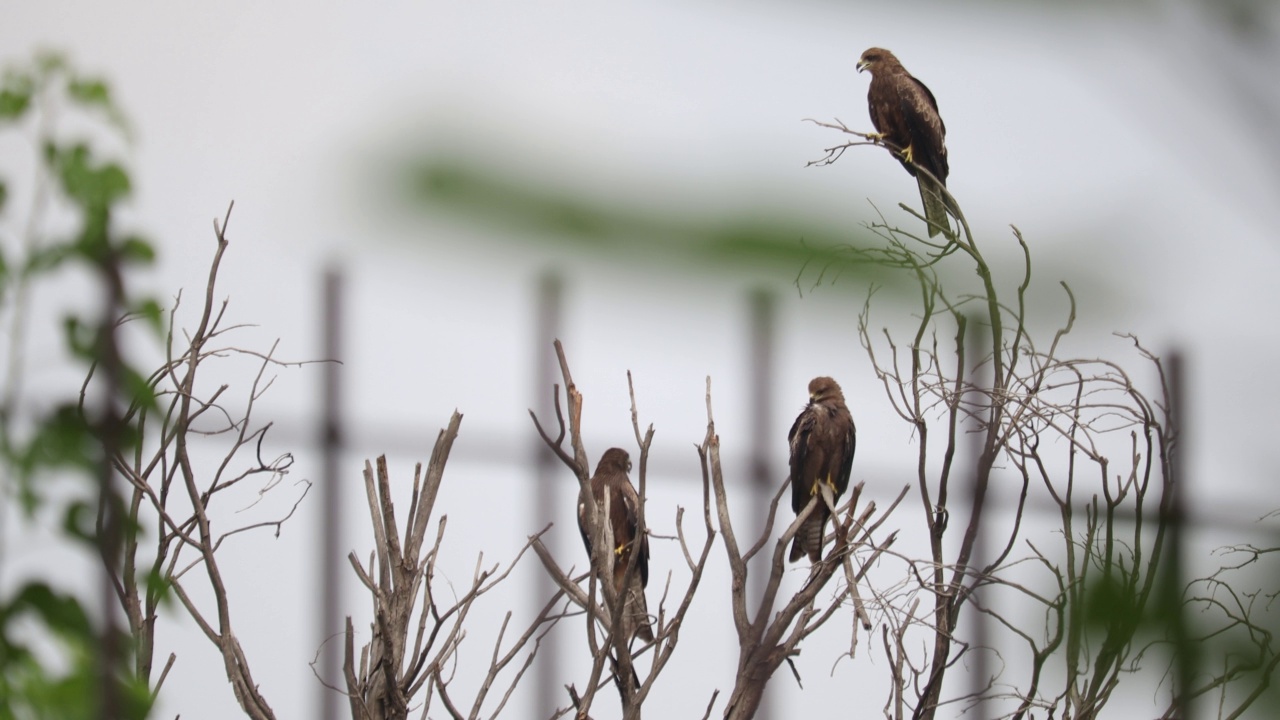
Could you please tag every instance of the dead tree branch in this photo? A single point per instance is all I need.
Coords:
(416, 638)
(176, 495)
(605, 641)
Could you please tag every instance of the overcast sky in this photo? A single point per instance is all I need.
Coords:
(1110, 137)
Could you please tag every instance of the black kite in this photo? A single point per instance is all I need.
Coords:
(906, 118)
(618, 499)
(822, 440)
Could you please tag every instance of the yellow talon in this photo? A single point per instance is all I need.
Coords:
(817, 484)
(907, 154)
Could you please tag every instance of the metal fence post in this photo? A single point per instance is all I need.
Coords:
(546, 497)
(330, 530)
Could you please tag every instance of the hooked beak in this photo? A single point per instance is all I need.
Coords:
(863, 65)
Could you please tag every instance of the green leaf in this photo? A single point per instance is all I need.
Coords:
(159, 586)
(28, 498)
(138, 250)
(136, 698)
(80, 337)
(89, 183)
(60, 611)
(150, 311)
(13, 104)
(30, 689)
(114, 181)
(62, 440)
(78, 521)
(140, 394)
(780, 244)
(4, 194)
(46, 258)
(49, 62)
(92, 91)
(93, 241)
(15, 95)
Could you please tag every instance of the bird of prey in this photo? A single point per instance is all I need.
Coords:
(618, 504)
(822, 443)
(906, 118)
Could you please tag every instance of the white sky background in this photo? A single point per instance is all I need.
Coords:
(1101, 134)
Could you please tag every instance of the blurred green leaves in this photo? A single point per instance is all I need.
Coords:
(28, 689)
(798, 250)
(89, 187)
(16, 89)
(69, 439)
(86, 181)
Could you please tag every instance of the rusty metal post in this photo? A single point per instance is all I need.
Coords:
(330, 530)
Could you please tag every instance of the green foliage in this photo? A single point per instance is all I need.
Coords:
(62, 441)
(68, 441)
(158, 586)
(28, 690)
(16, 90)
(91, 184)
(134, 249)
(92, 92)
(793, 248)
(149, 311)
(1111, 605)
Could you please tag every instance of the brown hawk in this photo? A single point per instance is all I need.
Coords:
(822, 443)
(906, 117)
(618, 503)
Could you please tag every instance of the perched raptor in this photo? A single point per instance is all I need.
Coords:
(618, 504)
(822, 443)
(906, 117)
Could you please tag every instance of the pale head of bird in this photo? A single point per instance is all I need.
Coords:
(872, 58)
(823, 389)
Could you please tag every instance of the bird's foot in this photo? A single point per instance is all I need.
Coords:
(828, 496)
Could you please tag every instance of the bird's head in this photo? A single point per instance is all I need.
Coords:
(824, 388)
(872, 58)
(614, 460)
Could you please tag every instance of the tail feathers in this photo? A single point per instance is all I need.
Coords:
(935, 207)
(808, 539)
(635, 623)
(637, 612)
(797, 552)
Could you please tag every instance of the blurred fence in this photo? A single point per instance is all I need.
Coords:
(547, 315)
